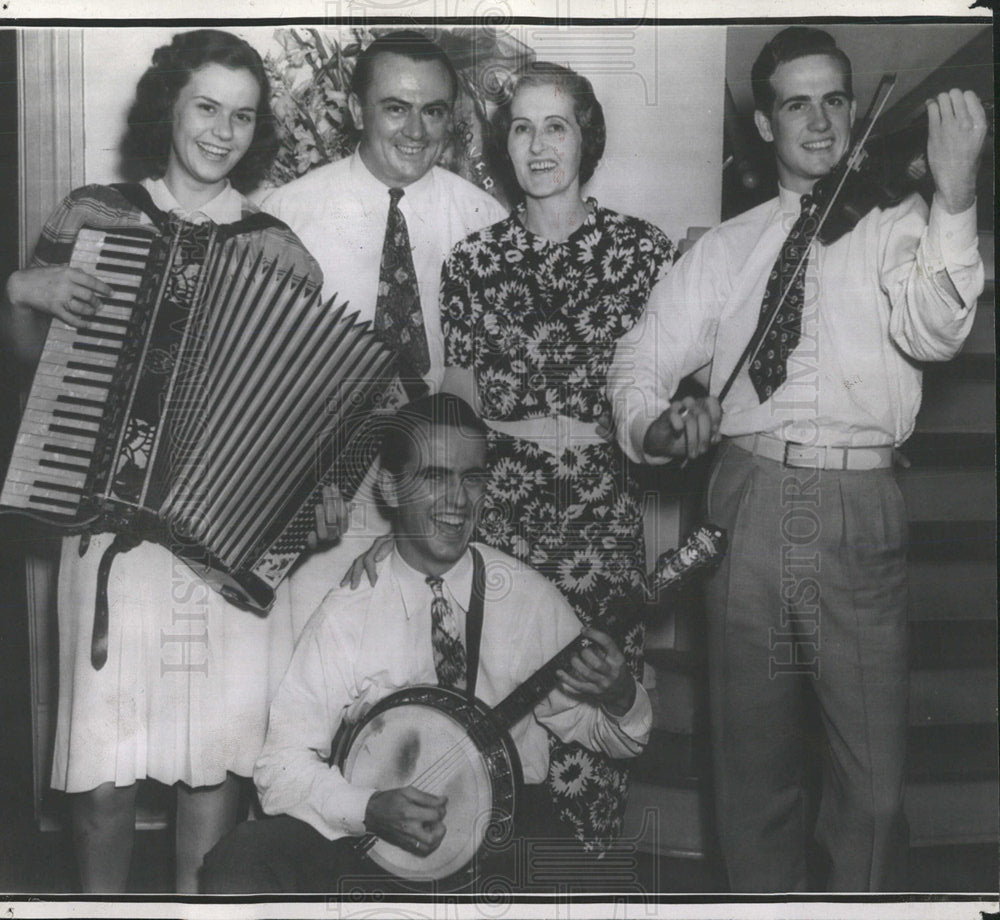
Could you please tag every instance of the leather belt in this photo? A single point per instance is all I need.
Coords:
(812, 456)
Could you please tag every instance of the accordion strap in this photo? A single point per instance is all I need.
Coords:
(137, 196)
(122, 543)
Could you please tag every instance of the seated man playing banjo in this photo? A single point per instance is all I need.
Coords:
(406, 792)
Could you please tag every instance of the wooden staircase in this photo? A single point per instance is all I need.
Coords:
(950, 490)
(952, 800)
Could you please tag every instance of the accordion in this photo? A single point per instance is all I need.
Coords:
(203, 407)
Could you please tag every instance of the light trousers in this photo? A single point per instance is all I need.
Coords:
(812, 597)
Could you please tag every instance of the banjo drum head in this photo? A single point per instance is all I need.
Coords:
(417, 745)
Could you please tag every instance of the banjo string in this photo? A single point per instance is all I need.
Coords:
(441, 770)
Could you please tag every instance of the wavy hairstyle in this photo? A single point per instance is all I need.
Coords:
(586, 108)
(409, 44)
(145, 149)
(789, 45)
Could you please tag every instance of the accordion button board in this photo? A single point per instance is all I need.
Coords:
(203, 406)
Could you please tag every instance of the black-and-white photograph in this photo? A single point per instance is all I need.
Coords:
(465, 463)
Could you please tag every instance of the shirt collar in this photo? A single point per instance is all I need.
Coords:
(416, 593)
(789, 200)
(224, 208)
(369, 187)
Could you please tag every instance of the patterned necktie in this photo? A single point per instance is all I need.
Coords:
(449, 652)
(770, 367)
(399, 321)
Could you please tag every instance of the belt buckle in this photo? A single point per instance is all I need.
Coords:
(794, 455)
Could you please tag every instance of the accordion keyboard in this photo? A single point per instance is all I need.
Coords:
(55, 444)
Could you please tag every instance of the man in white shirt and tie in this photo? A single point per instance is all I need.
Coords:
(361, 645)
(349, 215)
(812, 596)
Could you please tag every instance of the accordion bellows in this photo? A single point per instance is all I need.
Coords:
(202, 408)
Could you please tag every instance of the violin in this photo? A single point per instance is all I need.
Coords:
(872, 174)
(875, 173)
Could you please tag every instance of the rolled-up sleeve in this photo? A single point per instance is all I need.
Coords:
(582, 721)
(926, 262)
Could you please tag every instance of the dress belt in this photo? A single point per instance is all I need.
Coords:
(552, 433)
(811, 456)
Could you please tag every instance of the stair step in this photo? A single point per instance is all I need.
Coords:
(679, 702)
(953, 590)
(935, 753)
(963, 405)
(966, 365)
(927, 449)
(982, 336)
(956, 868)
(667, 821)
(676, 759)
(956, 696)
(676, 822)
(936, 494)
(952, 541)
(952, 753)
(944, 644)
(952, 813)
(988, 253)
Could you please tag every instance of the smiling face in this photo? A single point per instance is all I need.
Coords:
(214, 119)
(810, 123)
(437, 495)
(545, 142)
(405, 118)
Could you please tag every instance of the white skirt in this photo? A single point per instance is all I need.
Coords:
(188, 679)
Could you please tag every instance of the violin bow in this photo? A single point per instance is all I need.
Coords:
(882, 92)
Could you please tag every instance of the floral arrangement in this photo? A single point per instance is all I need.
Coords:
(310, 79)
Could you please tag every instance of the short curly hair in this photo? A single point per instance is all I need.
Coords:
(586, 108)
(145, 149)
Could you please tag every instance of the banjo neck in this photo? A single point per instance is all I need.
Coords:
(517, 704)
(702, 550)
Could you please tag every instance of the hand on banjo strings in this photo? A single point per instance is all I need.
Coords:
(332, 518)
(70, 294)
(408, 818)
(687, 429)
(599, 674)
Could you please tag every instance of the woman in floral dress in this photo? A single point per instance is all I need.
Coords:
(532, 308)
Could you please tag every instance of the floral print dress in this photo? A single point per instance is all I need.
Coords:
(537, 322)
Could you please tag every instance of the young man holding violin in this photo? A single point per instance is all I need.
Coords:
(812, 597)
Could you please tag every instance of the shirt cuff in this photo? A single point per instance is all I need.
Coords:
(638, 721)
(952, 239)
(345, 809)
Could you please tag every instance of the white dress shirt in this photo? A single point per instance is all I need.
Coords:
(340, 210)
(362, 645)
(874, 305)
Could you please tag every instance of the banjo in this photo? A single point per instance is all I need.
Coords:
(447, 743)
